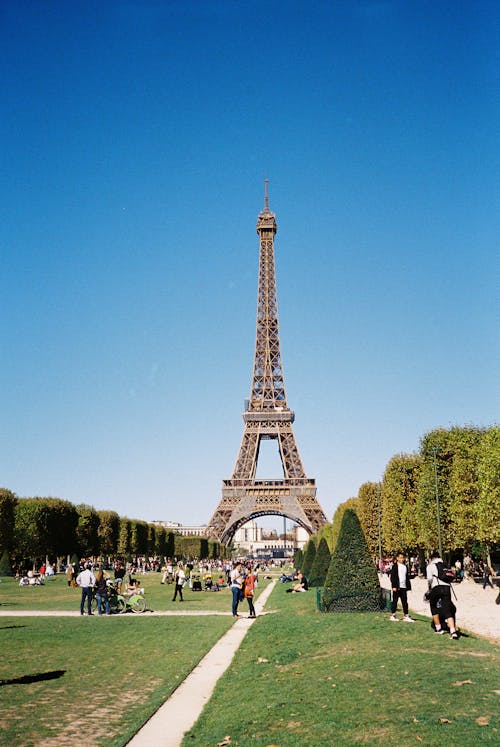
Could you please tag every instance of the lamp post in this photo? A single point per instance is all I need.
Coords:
(440, 547)
(379, 493)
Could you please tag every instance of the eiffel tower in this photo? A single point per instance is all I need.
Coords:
(267, 416)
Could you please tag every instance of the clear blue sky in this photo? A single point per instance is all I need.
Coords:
(135, 140)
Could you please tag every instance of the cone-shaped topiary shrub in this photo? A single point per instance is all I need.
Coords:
(308, 560)
(298, 559)
(321, 564)
(351, 584)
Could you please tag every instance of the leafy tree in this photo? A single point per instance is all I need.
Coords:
(8, 502)
(161, 541)
(108, 532)
(400, 525)
(151, 540)
(351, 584)
(309, 555)
(124, 537)
(333, 535)
(138, 537)
(5, 566)
(321, 563)
(464, 484)
(171, 544)
(87, 531)
(369, 511)
(488, 504)
(44, 526)
(450, 456)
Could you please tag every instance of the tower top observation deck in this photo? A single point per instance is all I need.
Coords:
(266, 220)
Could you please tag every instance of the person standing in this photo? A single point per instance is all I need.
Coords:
(487, 572)
(86, 581)
(236, 586)
(249, 589)
(440, 597)
(180, 578)
(401, 585)
(101, 592)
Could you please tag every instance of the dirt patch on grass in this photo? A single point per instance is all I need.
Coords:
(101, 721)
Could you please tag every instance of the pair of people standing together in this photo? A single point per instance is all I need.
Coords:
(442, 608)
(242, 587)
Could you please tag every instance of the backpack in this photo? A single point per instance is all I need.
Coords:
(444, 574)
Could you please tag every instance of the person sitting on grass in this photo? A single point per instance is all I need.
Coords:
(301, 584)
(134, 587)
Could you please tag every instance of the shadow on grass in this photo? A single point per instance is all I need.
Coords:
(11, 627)
(28, 679)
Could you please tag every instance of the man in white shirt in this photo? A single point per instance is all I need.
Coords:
(401, 585)
(86, 580)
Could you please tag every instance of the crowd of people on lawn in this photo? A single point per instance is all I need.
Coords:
(241, 577)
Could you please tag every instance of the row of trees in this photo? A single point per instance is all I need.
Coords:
(456, 473)
(33, 528)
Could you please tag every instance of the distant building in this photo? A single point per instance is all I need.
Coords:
(249, 537)
(183, 529)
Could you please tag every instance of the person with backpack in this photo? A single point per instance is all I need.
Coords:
(439, 581)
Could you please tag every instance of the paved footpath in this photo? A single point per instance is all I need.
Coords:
(179, 713)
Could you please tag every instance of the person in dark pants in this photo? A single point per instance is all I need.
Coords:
(101, 592)
(180, 580)
(86, 581)
(442, 606)
(237, 580)
(401, 585)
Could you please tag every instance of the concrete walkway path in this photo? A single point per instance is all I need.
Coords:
(179, 713)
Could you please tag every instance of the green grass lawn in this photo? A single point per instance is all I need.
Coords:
(93, 681)
(305, 679)
(300, 678)
(55, 595)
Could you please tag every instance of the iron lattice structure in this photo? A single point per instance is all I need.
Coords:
(267, 416)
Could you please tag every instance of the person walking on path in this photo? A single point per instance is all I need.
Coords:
(401, 585)
(487, 572)
(440, 596)
(236, 587)
(180, 579)
(86, 581)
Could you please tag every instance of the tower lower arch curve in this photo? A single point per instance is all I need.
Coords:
(232, 528)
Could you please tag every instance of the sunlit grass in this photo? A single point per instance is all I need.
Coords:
(93, 681)
(304, 678)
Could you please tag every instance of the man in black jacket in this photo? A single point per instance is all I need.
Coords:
(401, 585)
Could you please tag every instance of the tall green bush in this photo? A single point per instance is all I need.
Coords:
(351, 584)
(298, 559)
(321, 564)
(309, 555)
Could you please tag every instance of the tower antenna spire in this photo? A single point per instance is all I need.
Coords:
(266, 196)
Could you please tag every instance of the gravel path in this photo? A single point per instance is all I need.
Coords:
(476, 608)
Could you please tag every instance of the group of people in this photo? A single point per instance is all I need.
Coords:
(101, 584)
(443, 610)
(243, 580)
